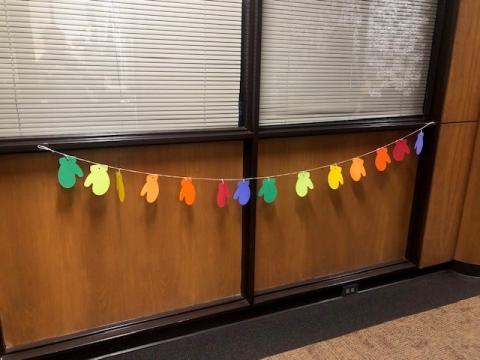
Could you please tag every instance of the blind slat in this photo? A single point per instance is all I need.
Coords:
(74, 67)
(345, 59)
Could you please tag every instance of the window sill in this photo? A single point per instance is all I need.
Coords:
(18, 145)
(346, 126)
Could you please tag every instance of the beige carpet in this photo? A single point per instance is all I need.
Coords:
(449, 332)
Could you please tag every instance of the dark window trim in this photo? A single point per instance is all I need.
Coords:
(439, 70)
(335, 127)
(17, 145)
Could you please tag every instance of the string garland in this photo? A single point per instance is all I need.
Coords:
(99, 180)
(400, 150)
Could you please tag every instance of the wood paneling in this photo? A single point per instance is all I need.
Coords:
(464, 104)
(361, 224)
(461, 111)
(73, 261)
(468, 244)
(462, 101)
(452, 163)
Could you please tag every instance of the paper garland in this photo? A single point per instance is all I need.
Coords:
(243, 193)
(187, 191)
(222, 194)
(268, 190)
(382, 159)
(304, 183)
(335, 177)
(357, 170)
(150, 189)
(401, 149)
(419, 143)
(120, 186)
(68, 172)
(99, 181)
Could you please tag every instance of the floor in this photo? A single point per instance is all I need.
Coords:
(296, 328)
(449, 332)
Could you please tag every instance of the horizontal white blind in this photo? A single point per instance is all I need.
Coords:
(327, 60)
(84, 67)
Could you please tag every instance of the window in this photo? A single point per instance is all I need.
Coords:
(90, 67)
(344, 59)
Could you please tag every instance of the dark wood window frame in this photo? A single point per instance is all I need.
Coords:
(137, 331)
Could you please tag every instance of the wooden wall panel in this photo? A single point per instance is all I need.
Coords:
(447, 193)
(461, 111)
(73, 261)
(468, 244)
(464, 104)
(462, 101)
(327, 232)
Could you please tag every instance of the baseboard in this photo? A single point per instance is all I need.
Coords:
(466, 268)
(332, 280)
(135, 328)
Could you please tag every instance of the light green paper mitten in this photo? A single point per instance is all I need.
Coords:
(98, 179)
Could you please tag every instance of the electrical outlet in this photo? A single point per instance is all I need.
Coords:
(349, 289)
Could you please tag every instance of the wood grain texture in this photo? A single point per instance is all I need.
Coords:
(452, 164)
(73, 261)
(468, 243)
(359, 225)
(460, 113)
(462, 99)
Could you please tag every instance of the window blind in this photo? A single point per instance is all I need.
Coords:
(327, 60)
(83, 67)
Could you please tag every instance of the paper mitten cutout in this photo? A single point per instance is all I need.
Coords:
(401, 149)
(419, 143)
(150, 188)
(98, 179)
(268, 190)
(335, 177)
(357, 170)
(382, 159)
(68, 171)
(222, 195)
(304, 183)
(187, 191)
(242, 193)
(120, 186)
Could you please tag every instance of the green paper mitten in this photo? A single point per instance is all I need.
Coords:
(68, 171)
(268, 190)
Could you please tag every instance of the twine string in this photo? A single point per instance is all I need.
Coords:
(45, 147)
